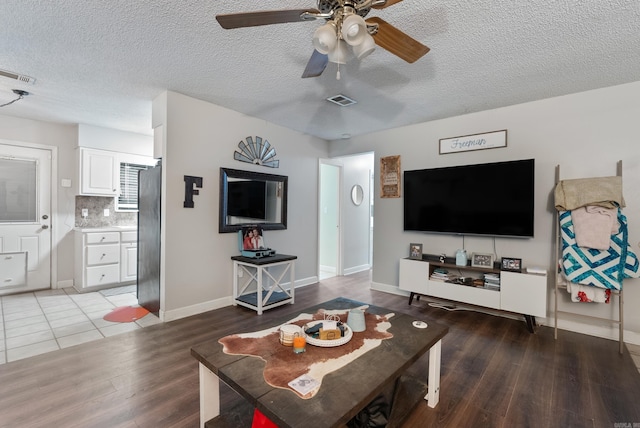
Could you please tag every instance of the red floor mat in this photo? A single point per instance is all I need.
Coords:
(126, 314)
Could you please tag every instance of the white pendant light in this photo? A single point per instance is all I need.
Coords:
(365, 48)
(340, 53)
(325, 38)
(354, 29)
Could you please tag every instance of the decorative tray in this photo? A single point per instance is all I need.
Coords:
(328, 343)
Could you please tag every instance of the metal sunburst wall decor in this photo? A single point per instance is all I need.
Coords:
(258, 152)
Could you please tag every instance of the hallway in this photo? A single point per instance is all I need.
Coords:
(43, 321)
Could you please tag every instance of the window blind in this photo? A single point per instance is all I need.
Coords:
(128, 198)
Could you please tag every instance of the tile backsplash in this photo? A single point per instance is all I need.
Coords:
(96, 206)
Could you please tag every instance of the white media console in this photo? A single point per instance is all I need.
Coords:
(521, 293)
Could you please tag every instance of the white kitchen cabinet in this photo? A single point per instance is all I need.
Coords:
(104, 258)
(128, 256)
(519, 292)
(99, 172)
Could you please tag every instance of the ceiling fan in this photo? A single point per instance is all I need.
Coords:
(345, 26)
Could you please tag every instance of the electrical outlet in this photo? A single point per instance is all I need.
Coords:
(106, 212)
(240, 274)
(85, 213)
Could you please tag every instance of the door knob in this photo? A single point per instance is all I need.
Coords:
(44, 226)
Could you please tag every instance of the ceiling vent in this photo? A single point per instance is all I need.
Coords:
(341, 100)
(19, 77)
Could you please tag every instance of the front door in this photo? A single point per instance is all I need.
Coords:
(25, 219)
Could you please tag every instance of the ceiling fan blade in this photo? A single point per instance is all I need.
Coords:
(316, 65)
(397, 42)
(387, 4)
(253, 19)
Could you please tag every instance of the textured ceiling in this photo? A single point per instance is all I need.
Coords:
(103, 62)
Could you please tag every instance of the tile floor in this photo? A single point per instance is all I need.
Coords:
(44, 321)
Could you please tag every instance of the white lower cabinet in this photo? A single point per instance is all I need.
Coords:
(519, 292)
(102, 275)
(128, 256)
(104, 258)
(103, 254)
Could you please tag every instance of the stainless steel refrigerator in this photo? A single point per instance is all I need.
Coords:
(149, 193)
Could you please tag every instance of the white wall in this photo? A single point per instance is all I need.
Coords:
(199, 138)
(114, 140)
(586, 134)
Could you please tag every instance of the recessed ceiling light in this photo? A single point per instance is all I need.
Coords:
(341, 100)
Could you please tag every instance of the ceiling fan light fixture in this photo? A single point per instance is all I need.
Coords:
(365, 48)
(340, 53)
(354, 29)
(325, 38)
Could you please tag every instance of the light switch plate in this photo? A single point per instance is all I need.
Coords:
(65, 182)
(85, 212)
(106, 212)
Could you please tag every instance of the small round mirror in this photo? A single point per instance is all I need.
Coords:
(357, 194)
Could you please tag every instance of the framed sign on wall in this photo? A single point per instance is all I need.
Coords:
(465, 143)
(390, 177)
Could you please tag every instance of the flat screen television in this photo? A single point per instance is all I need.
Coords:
(247, 199)
(494, 199)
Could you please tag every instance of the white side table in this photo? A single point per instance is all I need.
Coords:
(256, 293)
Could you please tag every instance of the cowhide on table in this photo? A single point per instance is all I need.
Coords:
(283, 365)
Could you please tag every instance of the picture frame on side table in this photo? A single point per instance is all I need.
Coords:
(511, 264)
(482, 260)
(415, 251)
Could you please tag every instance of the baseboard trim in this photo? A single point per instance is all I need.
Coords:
(391, 289)
(356, 269)
(211, 305)
(67, 283)
(199, 308)
(328, 269)
(306, 281)
(612, 333)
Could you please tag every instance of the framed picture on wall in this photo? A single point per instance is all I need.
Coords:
(415, 251)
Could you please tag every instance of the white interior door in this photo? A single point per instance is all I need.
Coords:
(25, 219)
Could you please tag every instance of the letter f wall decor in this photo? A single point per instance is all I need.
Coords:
(189, 191)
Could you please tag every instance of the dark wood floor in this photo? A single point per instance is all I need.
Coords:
(494, 373)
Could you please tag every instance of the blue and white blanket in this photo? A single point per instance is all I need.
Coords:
(599, 268)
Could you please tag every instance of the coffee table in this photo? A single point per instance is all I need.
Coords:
(343, 393)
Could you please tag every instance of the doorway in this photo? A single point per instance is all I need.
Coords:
(329, 261)
(25, 218)
(345, 224)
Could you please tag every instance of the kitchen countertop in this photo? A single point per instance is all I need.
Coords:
(106, 229)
